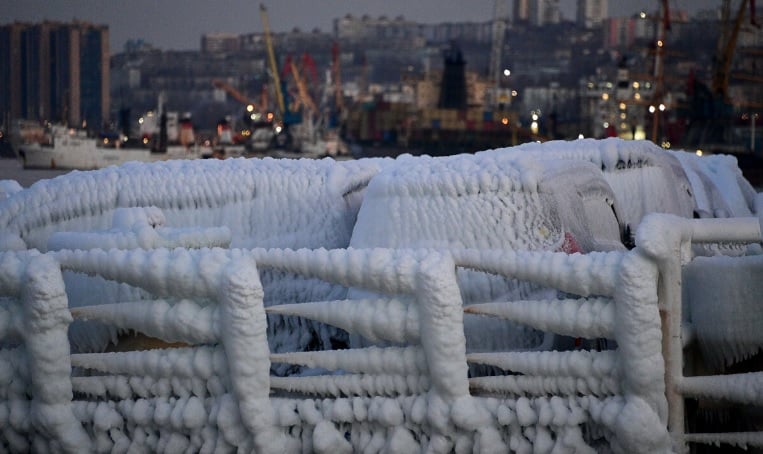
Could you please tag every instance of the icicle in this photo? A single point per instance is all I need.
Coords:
(378, 270)
(124, 387)
(199, 362)
(372, 360)
(589, 318)
(579, 364)
(742, 388)
(353, 385)
(391, 319)
(540, 385)
(183, 321)
(143, 237)
(594, 273)
(739, 439)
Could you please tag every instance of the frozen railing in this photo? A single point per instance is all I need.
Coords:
(409, 392)
(668, 241)
(416, 394)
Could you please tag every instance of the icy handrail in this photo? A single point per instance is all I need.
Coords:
(231, 277)
(141, 228)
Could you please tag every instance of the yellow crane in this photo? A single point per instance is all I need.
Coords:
(272, 60)
(304, 94)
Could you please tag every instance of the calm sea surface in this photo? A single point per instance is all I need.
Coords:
(11, 169)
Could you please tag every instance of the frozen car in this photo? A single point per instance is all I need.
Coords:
(644, 177)
(488, 202)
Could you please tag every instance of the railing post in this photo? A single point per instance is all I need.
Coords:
(441, 323)
(665, 239)
(244, 337)
(46, 321)
(669, 294)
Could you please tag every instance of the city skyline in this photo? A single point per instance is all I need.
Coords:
(175, 25)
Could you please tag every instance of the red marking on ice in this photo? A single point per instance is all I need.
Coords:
(570, 244)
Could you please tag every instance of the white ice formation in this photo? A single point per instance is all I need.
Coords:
(481, 303)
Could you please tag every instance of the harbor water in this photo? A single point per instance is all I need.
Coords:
(12, 169)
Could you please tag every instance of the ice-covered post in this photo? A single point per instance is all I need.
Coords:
(666, 239)
(441, 325)
(46, 321)
(244, 337)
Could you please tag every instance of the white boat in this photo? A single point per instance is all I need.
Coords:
(68, 148)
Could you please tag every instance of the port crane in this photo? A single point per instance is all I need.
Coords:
(272, 61)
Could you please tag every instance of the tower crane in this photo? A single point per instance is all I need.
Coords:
(272, 60)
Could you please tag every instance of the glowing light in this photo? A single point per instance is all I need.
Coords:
(651, 109)
(636, 85)
(507, 72)
(279, 129)
(514, 93)
(140, 120)
(105, 140)
(699, 153)
(145, 140)
(250, 108)
(270, 116)
(534, 127)
(637, 96)
(662, 107)
(605, 96)
(535, 116)
(665, 144)
(605, 124)
(623, 116)
(580, 136)
(505, 120)
(253, 116)
(642, 15)
(622, 106)
(660, 43)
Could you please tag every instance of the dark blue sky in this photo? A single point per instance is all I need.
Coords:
(179, 24)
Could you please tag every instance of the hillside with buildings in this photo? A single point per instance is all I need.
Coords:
(529, 74)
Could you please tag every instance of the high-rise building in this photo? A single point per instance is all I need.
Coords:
(55, 71)
(537, 12)
(592, 13)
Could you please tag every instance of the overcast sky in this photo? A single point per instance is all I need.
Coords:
(179, 24)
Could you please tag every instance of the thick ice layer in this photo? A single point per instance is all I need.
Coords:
(487, 202)
(644, 177)
(492, 202)
(266, 203)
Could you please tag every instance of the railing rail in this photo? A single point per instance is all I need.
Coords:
(411, 390)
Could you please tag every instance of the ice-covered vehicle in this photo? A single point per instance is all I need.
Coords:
(487, 202)
(644, 177)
